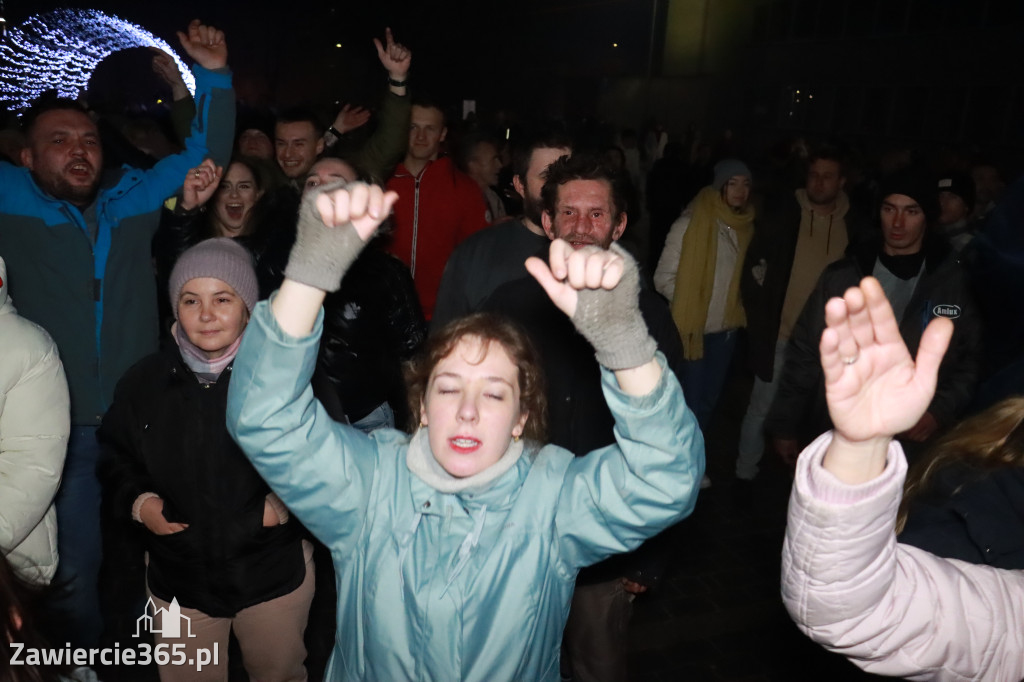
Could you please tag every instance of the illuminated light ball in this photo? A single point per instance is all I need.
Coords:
(59, 50)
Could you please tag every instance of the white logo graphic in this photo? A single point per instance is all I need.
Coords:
(170, 624)
(946, 310)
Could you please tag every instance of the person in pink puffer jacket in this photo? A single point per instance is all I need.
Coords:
(890, 608)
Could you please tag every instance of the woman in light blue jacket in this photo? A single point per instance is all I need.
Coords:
(456, 548)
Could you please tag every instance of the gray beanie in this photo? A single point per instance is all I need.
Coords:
(729, 168)
(221, 258)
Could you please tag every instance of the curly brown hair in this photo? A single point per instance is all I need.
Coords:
(489, 328)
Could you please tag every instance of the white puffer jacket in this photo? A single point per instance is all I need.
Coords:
(34, 426)
(890, 608)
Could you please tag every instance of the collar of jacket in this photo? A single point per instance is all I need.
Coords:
(500, 493)
(936, 250)
(180, 373)
(441, 163)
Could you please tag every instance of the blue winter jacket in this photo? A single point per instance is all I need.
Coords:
(97, 299)
(466, 586)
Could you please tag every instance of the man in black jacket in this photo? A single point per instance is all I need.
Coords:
(798, 234)
(584, 203)
(922, 279)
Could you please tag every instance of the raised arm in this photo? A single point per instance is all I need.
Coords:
(212, 129)
(873, 387)
(893, 610)
(599, 289)
(321, 470)
(183, 109)
(334, 225)
(386, 147)
(618, 496)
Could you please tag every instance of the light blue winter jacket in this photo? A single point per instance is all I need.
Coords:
(467, 586)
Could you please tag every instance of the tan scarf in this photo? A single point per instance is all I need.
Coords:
(695, 277)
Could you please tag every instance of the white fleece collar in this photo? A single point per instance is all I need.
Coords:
(422, 464)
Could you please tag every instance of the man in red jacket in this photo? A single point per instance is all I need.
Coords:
(438, 205)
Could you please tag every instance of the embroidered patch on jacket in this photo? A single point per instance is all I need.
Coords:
(948, 311)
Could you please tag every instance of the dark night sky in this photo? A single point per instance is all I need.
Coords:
(491, 51)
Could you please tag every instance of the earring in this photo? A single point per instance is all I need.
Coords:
(515, 439)
(422, 423)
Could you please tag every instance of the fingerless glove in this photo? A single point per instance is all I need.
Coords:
(610, 320)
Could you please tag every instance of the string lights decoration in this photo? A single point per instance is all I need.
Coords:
(59, 50)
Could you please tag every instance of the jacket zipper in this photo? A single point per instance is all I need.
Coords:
(415, 224)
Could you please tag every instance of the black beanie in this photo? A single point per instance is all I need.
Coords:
(916, 185)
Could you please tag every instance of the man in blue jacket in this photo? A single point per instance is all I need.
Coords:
(77, 246)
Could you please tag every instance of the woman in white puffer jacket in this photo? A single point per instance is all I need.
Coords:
(34, 427)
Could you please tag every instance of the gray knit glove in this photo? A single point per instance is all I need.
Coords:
(610, 320)
(322, 255)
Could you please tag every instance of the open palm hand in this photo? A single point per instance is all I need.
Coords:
(873, 387)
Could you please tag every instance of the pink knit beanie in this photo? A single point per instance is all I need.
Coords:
(221, 258)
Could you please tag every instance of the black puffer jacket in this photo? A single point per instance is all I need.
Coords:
(371, 325)
(165, 433)
(800, 411)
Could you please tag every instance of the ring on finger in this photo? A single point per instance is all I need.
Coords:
(849, 360)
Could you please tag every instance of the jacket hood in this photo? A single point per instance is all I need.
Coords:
(6, 306)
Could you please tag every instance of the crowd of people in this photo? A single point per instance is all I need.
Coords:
(399, 398)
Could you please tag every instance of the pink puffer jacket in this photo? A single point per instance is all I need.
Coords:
(890, 608)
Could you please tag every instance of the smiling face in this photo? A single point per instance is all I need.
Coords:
(212, 315)
(472, 407)
(65, 156)
(233, 202)
(584, 215)
(297, 146)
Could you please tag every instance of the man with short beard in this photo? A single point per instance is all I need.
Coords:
(78, 254)
(494, 256)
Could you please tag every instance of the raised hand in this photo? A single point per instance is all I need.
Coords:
(165, 67)
(570, 271)
(200, 184)
(205, 45)
(364, 206)
(599, 290)
(395, 57)
(873, 387)
(350, 118)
